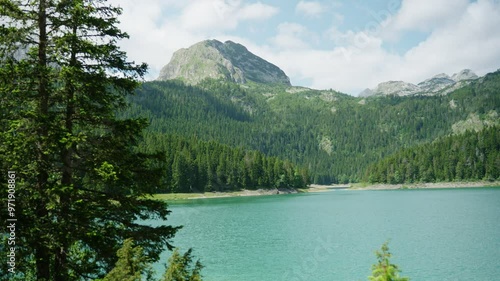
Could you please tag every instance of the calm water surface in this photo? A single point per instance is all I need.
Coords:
(451, 234)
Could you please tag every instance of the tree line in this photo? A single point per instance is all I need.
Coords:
(192, 165)
(469, 156)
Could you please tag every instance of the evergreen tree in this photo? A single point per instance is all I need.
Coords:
(82, 182)
(384, 270)
(132, 264)
(180, 267)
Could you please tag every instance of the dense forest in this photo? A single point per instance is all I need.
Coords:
(469, 156)
(192, 165)
(335, 136)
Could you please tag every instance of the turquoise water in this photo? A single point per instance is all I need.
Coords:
(451, 234)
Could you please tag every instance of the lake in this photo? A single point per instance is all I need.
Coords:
(435, 234)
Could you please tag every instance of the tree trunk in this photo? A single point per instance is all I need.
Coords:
(42, 254)
(60, 267)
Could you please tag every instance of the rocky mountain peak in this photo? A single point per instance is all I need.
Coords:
(399, 88)
(441, 76)
(228, 61)
(465, 74)
(436, 83)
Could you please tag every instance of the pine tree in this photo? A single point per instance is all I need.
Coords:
(83, 183)
(384, 270)
(180, 268)
(132, 264)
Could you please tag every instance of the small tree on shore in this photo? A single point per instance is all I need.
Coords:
(384, 270)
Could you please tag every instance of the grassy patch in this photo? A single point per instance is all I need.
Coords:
(176, 196)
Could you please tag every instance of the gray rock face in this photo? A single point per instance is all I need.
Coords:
(366, 93)
(436, 83)
(439, 84)
(399, 88)
(229, 61)
(465, 74)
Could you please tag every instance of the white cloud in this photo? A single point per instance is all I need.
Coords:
(424, 15)
(257, 11)
(290, 36)
(473, 41)
(310, 8)
(347, 68)
(202, 15)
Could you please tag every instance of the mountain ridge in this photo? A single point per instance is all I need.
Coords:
(438, 84)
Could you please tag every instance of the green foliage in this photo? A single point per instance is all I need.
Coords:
(132, 264)
(180, 267)
(384, 270)
(469, 156)
(82, 186)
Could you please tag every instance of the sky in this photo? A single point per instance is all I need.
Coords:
(347, 46)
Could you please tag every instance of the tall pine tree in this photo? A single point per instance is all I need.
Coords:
(82, 187)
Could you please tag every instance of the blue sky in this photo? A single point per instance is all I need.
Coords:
(343, 45)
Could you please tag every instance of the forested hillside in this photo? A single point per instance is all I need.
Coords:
(469, 156)
(334, 135)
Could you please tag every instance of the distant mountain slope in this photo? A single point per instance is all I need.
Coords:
(335, 135)
(221, 92)
(228, 61)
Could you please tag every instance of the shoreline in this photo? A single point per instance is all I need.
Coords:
(246, 193)
(432, 185)
(313, 188)
(228, 194)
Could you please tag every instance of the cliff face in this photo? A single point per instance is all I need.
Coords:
(229, 61)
